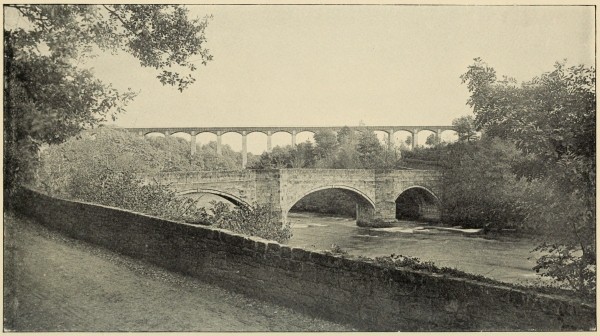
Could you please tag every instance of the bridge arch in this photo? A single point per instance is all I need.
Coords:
(231, 198)
(432, 130)
(365, 207)
(422, 135)
(281, 138)
(449, 135)
(205, 138)
(305, 135)
(355, 191)
(417, 202)
(151, 134)
(182, 135)
(257, 142)
(437, 199)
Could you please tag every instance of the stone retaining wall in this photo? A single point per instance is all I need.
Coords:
(356, 292)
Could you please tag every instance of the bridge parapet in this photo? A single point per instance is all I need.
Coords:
(191, 177)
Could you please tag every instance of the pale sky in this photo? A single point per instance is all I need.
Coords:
(337, 65)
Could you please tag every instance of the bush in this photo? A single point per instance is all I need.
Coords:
(256, 221)
(337, 250)
(479, 186)
(569, 268)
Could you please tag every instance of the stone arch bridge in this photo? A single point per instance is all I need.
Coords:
(375, 191)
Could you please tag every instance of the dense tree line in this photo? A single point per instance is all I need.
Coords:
(348, 149)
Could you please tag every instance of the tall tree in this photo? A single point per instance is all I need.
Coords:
(304, 155)
(370, 150)
(465, 128)
(326, 143)
(49, 98)
(346, 135)
(552, 119)
(430, 141)
(551, 116)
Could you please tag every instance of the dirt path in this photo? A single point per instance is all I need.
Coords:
(54, 283)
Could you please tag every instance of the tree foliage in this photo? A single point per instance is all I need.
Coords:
(256, 221)
(371, 153)
(49, 97)
(68, 166)
(326, 144)
(479, 186)
(551, 119)
(348, 149)
(431, 140)
(551, 116)
(301, 156)
(465, 128)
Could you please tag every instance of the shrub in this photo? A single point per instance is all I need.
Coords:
(258, 220)
(337, 250)
(569, 268)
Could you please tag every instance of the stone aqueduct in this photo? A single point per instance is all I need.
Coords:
(375, 191)
(293, 130)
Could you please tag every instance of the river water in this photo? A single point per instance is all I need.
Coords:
(507, 259)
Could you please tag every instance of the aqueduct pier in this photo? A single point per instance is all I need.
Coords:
(375, 191)
(293, 130)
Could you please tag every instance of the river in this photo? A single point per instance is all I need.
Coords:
(507, 259)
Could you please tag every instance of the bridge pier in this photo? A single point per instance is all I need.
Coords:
(268, 193)
(193, 144)
(219, 151)
(244, 150)
(385, 211)
(415, 138)
(269, 149)
(365, 213)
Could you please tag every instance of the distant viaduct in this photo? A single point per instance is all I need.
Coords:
(293, 130)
